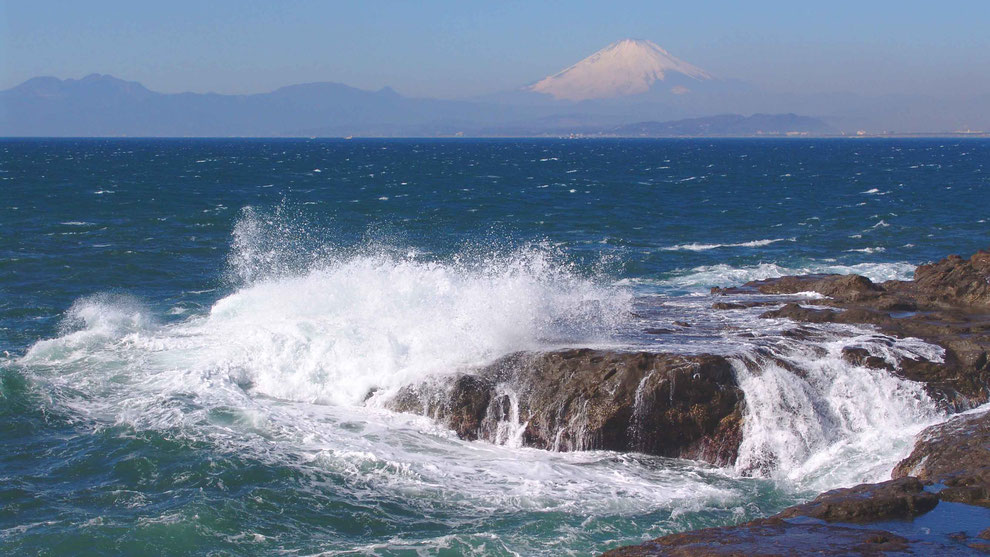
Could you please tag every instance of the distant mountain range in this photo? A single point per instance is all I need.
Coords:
(102, 105)
(630, 88)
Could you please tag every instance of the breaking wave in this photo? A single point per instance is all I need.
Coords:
(332, 326)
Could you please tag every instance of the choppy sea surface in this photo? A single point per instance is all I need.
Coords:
(189, 331)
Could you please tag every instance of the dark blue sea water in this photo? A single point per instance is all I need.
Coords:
(189, 330)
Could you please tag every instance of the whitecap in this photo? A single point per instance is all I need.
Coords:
(705, 247)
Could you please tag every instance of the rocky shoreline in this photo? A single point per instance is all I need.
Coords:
(947, 304)
(691, 406)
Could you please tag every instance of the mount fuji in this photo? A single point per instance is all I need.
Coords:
(624, 68)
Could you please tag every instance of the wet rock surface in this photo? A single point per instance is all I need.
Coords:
(848, 521)
(951, 283)
(902, 498)
(956, 455)
(659, 404)
(776, 536)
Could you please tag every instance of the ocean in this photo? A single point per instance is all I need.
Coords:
(198, 336)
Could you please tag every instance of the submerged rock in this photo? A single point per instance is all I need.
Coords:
(823, 526)
(660, 404)
(776, 536)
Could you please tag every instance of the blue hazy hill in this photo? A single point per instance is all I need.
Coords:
(103, 105)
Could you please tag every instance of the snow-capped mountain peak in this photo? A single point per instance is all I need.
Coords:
(625, 67)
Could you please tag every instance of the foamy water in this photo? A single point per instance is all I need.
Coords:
(293, 350)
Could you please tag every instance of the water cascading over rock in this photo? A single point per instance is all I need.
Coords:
(661, 404)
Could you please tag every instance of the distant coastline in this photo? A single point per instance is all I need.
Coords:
(784, 136)
(105, 106)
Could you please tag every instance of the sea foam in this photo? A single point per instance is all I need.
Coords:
(367, 322)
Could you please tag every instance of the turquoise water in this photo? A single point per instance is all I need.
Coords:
(190, 329)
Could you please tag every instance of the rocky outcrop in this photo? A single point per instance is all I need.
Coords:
(955, 281)
(660, 404)
(960, 382)
(952, 283)
(947, 303)
(954, 454)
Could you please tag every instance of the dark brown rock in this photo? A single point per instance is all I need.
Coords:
(848, 287)
(727, 305)
(742, 305)
(660, 404)
(844, 287)
(895, 499)
(952, 282)
(862, 357)
(955, 281)
(461, 404)
(955, 454)
(799, 313)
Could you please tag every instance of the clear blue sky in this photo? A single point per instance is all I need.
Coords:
(463, 48)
